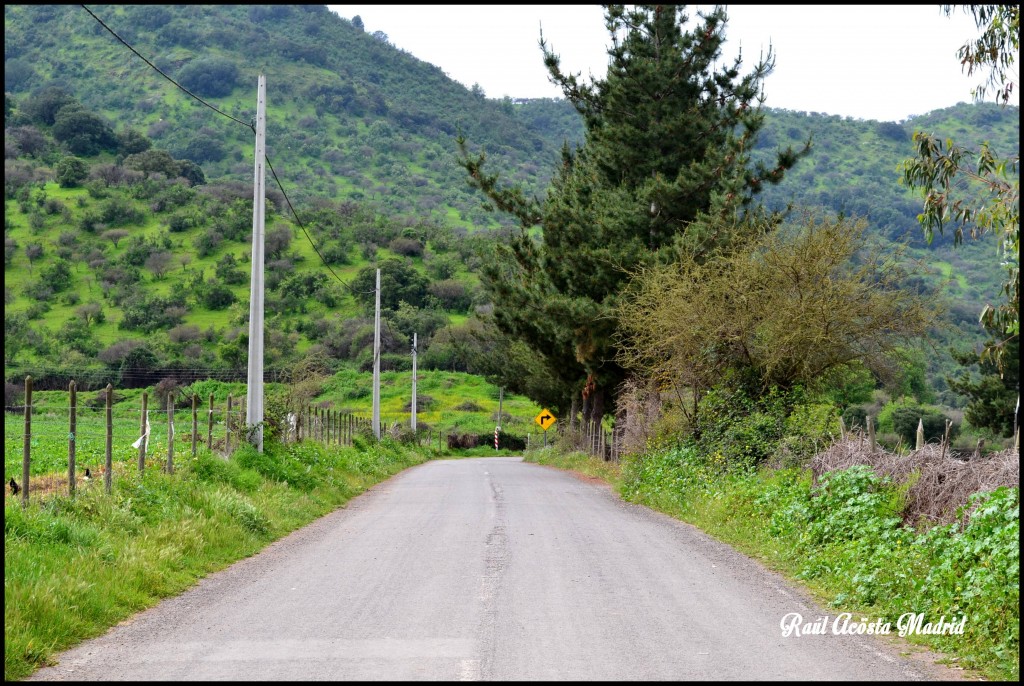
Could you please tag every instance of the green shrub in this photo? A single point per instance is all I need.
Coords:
(71, 171)
(905, 422)
(743, 429)
(808, 429)
(855, 416)
(274, 464)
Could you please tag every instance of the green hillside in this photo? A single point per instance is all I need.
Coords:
(348, 115)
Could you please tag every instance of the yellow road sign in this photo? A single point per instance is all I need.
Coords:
(545, 419)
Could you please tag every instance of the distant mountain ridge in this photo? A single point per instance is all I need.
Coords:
(362, 137)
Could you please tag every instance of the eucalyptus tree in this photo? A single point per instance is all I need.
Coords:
(978, 190)
(665, 166)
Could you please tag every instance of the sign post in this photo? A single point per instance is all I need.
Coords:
(545, 419)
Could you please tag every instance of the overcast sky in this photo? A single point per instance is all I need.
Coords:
(863, 61)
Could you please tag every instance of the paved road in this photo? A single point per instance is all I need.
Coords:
(487, 568)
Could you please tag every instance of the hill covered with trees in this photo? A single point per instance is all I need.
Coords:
(128, 202)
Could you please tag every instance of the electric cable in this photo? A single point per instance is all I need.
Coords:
(251, 127)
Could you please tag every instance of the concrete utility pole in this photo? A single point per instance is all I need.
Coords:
(501, 396)
(413, 421)
(254, 393)
(376, 362)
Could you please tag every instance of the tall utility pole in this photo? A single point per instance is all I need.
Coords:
(254, 393)
(501, 396)
(376, 362)
(413, 422)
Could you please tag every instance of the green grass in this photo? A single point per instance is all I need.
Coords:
(582, 463)
(73, 568)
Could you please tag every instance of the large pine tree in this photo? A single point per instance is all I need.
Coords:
(664, 166)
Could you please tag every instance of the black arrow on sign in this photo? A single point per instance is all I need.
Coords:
(546, 417)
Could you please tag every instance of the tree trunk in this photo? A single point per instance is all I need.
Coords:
(597, 406)
(593, 407)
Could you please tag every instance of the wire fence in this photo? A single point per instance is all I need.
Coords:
(88, 440)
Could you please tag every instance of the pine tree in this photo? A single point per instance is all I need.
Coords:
(993, 394)
(668, 137)
(664, 166)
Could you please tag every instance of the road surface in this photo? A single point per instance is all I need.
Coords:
(487, 569)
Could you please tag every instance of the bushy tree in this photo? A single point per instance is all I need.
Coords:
(992, 393)
(399, 282)
(977, 190)
(83, 132)
(210, 77)
(413, 320)
(71, 171)
(227, 270)
(43, 106)
(668, 135)
(57, 275)
(153, 160)
(30, 140)
(216, 296)
(793, 307)
(131, 142)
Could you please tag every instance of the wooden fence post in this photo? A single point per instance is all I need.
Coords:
(72, 426)
(143, 432)
(170, 433)
(227, 428)
(945, 438)
(195, 423)
(108, 477)
(26, 455)
(871, 434)
(209, 426)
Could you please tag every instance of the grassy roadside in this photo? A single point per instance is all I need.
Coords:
(581, 463)
(844, 545)
(73, 568)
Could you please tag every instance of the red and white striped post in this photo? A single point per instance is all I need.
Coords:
(496, 430)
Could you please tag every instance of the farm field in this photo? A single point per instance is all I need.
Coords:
(449, 402)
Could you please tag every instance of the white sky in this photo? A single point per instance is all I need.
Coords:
(863, 61)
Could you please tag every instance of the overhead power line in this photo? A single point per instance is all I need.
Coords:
(248, 125)
(113, 33)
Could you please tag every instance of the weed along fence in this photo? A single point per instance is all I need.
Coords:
(593, 439)
(95, 436)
